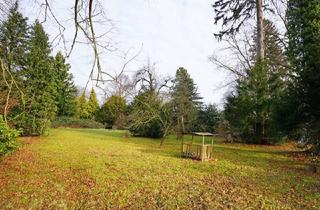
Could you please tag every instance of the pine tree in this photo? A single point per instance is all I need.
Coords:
(185, 100)
(40, 86)
(304, 51)
(208, 118)
(14, 39)
(251, 108)
(67, 92)
(93, 104)
(277, 72)
(13, 49)
(82, 111)
(275, 59)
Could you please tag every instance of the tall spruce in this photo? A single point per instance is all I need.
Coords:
(250, 109)
(67, 91)
(304, 51)
(208, 118)
(185, 100)
(40, 86)
(13, 50)
(14, 39)
(276, 63)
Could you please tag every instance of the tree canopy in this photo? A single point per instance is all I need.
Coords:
(185, 100)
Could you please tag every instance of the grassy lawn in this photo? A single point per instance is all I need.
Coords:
(75, 168)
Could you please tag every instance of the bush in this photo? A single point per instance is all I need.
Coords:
(113, 112)
(30, 122)
(8, 137)
(31, 126)
(153, 129)
(68, 122)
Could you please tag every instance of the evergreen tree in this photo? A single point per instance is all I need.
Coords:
(208, 118)
(185, 100)
(275, 60)
(112, 110)
(82, 107)
(251, 109)
(277, 77)
(93, 104)
(13, 49)
(40, 86)
(14, 40)
(304, 51)
(66, 97)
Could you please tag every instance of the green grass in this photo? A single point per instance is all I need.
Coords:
(78, 168)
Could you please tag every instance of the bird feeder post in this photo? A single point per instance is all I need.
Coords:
(212, 140)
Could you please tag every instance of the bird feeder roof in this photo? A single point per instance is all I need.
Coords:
(203, 134)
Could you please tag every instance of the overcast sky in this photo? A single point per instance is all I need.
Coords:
(172, 33)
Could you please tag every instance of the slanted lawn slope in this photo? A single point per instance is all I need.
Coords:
(78, 168)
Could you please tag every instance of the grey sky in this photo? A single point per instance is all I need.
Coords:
(174, 33)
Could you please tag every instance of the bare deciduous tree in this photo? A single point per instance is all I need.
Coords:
(122, 86)
(239, 61)
(147, 79)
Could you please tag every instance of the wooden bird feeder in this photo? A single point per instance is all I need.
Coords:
(202, 151)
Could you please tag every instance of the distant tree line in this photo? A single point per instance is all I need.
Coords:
(159, 106)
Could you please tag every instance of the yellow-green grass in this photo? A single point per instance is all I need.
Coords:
(99, 169)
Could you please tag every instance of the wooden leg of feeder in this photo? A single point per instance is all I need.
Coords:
(182, 148)
(202, 153)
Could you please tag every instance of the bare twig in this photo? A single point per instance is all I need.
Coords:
(13, 82)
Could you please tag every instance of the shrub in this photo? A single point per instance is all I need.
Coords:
(68, 122)
(153, 129)
(113, 112)
(31, 126)
(8, 137)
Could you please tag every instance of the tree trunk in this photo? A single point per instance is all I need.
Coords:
(260, 31)
(182, 125)
(162, 142)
